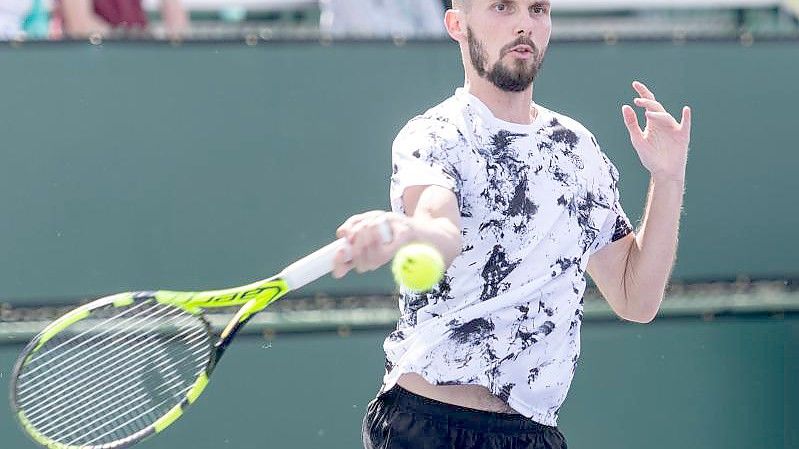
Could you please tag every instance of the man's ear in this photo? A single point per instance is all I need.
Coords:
(456, 27)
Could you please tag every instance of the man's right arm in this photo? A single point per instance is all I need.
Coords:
(431, 216)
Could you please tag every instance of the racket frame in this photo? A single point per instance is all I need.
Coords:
(252, 298)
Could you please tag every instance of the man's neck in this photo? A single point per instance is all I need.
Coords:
(514, 107)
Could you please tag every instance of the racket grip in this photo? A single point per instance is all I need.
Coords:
(313, 266)
(320, 262)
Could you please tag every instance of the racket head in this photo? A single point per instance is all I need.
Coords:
(112, 372)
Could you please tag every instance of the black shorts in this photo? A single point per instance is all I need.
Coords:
(400, 419)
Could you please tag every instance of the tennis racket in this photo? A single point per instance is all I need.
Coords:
(124, 367)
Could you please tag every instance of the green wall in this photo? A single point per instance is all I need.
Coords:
(141, 166)
(678, 383)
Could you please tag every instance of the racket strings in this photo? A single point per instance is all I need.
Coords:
(84, 413)
(61, 373)
(115, 378)
(127, 413)
(47, 358)
(122, 393)
(88, 389)
(62, 386)
(140, 397)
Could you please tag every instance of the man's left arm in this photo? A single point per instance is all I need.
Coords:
(632, 273)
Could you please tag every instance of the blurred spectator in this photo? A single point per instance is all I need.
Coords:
(382, 18)
(84, 17)
(12, 13)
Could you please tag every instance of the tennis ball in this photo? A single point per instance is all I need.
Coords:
(418, 267)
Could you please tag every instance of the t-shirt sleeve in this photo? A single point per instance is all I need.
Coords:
(616, 225)
(424, 153)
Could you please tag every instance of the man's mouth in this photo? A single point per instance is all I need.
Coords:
(521, 51)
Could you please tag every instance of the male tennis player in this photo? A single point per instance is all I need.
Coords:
(522, 202)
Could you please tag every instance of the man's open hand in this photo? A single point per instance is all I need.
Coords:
(662, 145)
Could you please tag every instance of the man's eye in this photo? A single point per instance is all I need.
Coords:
(539, 9)
(501, 7)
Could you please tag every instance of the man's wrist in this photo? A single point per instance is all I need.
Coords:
(413, 226)
(668, 181)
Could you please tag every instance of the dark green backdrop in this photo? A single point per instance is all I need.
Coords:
(133, 166)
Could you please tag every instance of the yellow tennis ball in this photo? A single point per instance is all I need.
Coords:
(418, 267)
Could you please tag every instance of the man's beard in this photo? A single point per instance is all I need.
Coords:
(509, 79)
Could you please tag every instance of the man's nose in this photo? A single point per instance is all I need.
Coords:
(525, 24)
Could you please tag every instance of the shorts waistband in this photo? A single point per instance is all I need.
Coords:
(462, 416)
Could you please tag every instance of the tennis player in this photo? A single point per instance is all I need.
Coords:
(521, 202)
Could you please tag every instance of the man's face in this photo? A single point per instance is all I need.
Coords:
(507, 40)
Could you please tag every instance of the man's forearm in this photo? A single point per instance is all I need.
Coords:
(653, 252)
(439, 232)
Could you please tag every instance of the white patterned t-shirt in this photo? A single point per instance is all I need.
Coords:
(535, 202)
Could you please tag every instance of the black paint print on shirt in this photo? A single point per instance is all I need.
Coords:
(412, 303)
(503, 167)
(534, 372)
(558, 174)
(574, 325)
(563, 264)
(444, 289)
(389, 366)
(546, 328)
(504, 392)
(543, 307)
(520, 204)
(621, 229)
(410, 307)
(495, 271)
(527, 338)
(502, 140)
(396, 336)
(561, 134)
(568, 141)
(584, 207)
(472, 332)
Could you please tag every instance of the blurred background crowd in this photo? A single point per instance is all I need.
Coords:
(197, 19)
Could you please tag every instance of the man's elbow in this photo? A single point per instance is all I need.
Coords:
(640, 312)
(640, 318)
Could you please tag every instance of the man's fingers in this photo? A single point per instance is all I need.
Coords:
(385, 231)
(342, 263)
(662, 117)
(630, 117)
(685, 121)
(345, 230)
(643, 90)
(370, 247)
(359, 239)
(631, 121)
(649, 105)
(348, 227)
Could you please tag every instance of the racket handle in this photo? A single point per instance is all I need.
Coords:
(320, 262)
(313, 266)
